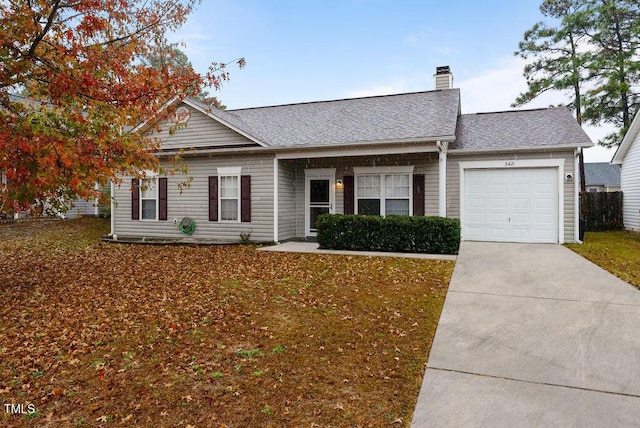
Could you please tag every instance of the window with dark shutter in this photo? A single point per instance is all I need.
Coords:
(245, 198)
(162, 198)
(213, 198)
(135, 199)
(348, 194)
(418, 194)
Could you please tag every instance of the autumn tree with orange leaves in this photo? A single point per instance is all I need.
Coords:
(80, 62)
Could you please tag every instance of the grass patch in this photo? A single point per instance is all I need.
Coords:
(615, 251)
(124, 334)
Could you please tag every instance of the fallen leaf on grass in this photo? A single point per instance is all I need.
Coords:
(99, 306)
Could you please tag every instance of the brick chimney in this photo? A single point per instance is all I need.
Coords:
(443, 79)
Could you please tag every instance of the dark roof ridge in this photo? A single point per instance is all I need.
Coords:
(342, 99)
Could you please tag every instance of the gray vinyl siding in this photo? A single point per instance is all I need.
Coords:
(453, 181)
(631, 186)
(424, 163)
(87, 207)
(83, 207)
(193, 202)
(200, 131)
(287, 187)
(431, 173)
(300, 202)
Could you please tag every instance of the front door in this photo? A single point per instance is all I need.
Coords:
(319, 192)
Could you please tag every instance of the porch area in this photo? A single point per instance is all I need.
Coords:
(412, 183)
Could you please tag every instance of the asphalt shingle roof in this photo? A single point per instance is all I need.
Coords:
(519, 129)
(601, 174)
(421, 116)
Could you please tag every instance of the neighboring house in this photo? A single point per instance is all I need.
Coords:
(270, 171)
(82, 207)
(602, 177)
(86, 207)
(628, 157)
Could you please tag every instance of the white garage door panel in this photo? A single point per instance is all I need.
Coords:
(511, 205)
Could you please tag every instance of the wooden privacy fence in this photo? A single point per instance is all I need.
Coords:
(601, 210)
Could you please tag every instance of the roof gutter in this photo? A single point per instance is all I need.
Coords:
(410, 144)
(517, 149)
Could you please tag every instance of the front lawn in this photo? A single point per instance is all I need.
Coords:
(96, 334)
(615, 251)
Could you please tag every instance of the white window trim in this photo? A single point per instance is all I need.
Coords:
(152, 177)
(233, 170)
(238, 196)
(382, 172)
(515, 163)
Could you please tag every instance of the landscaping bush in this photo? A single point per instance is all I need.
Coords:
(435, 235)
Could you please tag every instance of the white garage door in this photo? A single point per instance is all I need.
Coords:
(511, 205)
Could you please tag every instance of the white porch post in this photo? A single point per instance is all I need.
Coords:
(442, 178)
(275, 199)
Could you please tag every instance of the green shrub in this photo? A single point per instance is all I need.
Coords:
(435, 235)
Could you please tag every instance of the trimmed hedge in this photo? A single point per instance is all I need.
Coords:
(434, 235)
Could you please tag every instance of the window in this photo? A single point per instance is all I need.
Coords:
(229, 197)
(148, 199)
(383, 194)
(368, 194)
(396, 194)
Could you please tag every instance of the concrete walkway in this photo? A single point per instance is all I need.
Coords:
(312, 247)
(533, 336)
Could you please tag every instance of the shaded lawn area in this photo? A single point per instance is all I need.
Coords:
(96, 334)
(615, 251)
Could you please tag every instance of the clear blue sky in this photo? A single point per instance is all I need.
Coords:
(300, 51)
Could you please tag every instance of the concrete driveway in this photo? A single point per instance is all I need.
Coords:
(533, 336)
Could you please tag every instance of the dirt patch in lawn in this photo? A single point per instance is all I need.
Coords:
(615, 251)
(98, 334)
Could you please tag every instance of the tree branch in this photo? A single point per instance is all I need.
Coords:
(47, 26)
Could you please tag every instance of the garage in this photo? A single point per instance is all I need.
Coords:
(510, 205)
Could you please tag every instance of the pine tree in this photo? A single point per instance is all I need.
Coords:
(614, 65)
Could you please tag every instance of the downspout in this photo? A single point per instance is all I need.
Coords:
(113, 210)
(275, 199)
(442, 177)
(96, 201)
(576, 196)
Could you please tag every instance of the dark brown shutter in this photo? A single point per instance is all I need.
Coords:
(245, 198)
(418, 194)
(213, 198)
(162, 198)
(135, 199)
(347, 180)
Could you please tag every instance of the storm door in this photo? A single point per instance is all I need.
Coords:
(319, 195)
